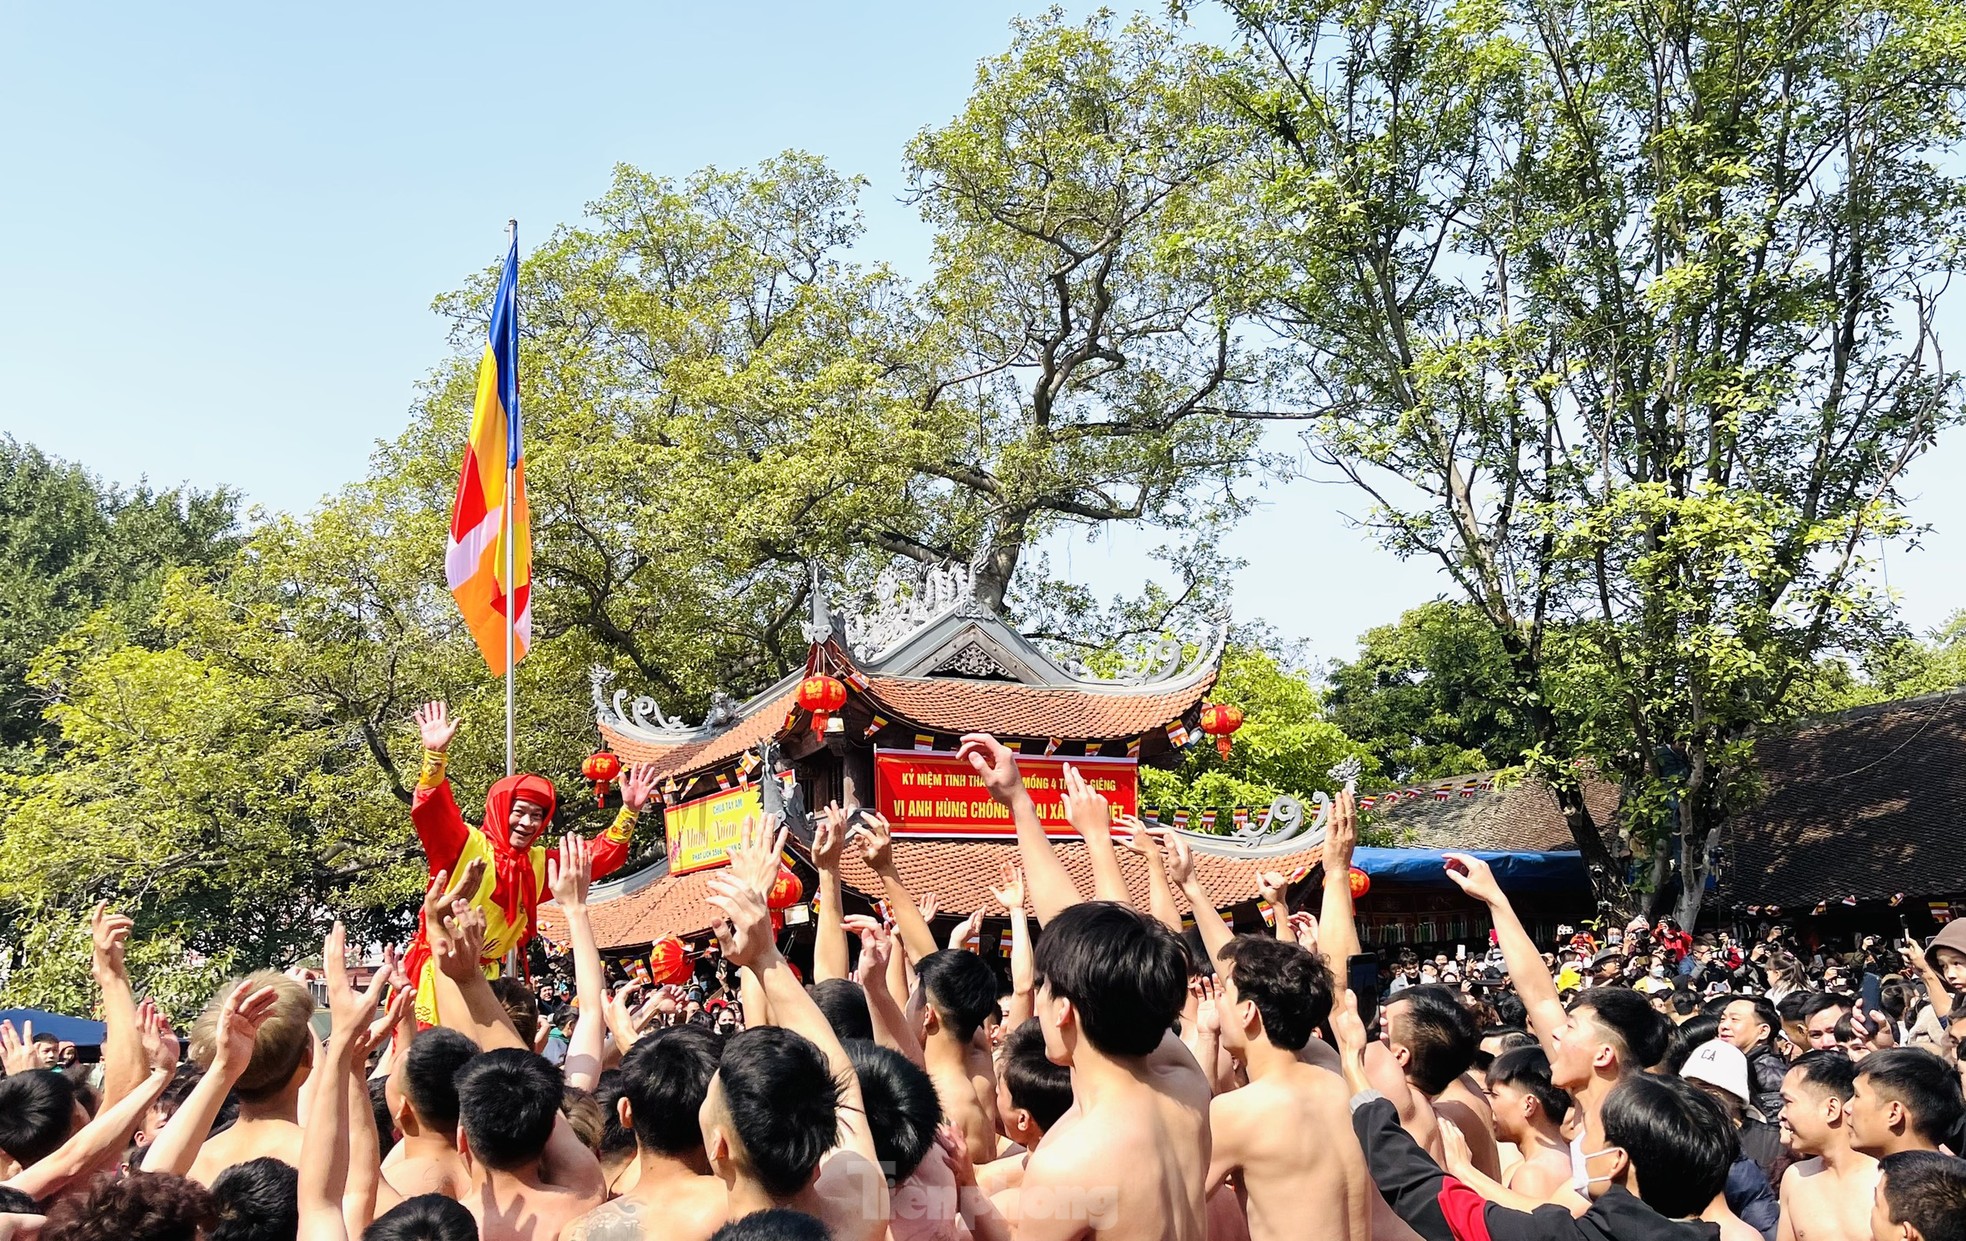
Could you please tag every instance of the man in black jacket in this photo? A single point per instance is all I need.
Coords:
(1656, 1156)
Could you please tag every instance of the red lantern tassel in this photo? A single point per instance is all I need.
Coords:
(1222, 745)
(819, 719)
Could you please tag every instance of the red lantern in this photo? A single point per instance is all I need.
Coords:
(669, 961)
(601, 767)
(1219, 720)
(821, 695)
(786, 891)
(1361, 883)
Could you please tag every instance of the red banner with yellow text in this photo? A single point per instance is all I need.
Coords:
(927, 793)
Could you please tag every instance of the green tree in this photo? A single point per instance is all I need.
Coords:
(1622, 312)
(69, 544)
(1431, 695)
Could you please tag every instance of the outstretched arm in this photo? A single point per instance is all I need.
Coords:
(1052, 890)
(571, 877)
(1338, 940)
(1023, 961)
(1160, 894)
(1215, 933)
(611, 848)
(1526, 969)
(877, 850)
(1091, 816)
(829, 952)
(122, 1048)
(434, 814)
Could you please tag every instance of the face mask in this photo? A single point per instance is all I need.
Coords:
(1658, 971)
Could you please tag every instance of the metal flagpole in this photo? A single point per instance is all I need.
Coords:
(511, 506)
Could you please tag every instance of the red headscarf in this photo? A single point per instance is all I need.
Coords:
(517, 885)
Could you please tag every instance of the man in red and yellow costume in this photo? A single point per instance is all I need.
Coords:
(517, 810)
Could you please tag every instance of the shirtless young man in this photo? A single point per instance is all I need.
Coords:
(530, 1174)
(1827, 1195)
(1529, 1112)
(783, 1121)
(664, 1078)
(269, 1088)
(1129, 1162)
(422, 1095)
(1433, 1038)
(956, 994)
(1285, 1132)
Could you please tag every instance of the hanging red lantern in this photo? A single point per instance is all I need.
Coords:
(1219, 720)
(786, 891)
(601, 767)
(669, 961)
(1361, 883)
(821, 695)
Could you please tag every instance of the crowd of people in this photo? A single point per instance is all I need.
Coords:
(1130, 1079)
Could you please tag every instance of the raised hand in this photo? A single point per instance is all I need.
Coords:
(955, 1148)
(443, 895)
(17, 1052)
(109, 933)
(160, 1044)
(876, 838)
(876, 944)
(929, 906)
(1208, 1012)
(829, 834)
(1272, 887)
(1347, 1029)
(745, 934)
(1304, 926)
(1454, 1146)
(638, 786)
(1090, 813)
(435, 726)
(1180, 860)
(1341, 833)
(1473, 876)
(239, 1020)
(1010, 893)
(570, 871)
(1140, 838)
(994, 764)
(460, 952)
(353, 1018)
(966, 930)
(754, 859)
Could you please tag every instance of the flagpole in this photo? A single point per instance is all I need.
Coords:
(511, 507)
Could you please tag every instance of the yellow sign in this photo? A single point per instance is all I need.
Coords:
(701, 832)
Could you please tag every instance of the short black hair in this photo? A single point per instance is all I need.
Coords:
(258, 1200)
(430, 1071)
(962, 987)
(1509, 1008)
(1441, 1036)
(1639, 1029)
(1765, 1013)
(777, 1224)
(1290, 987)
(1034, 1083)
(783, 1102)
(16, 1202)
(664, 1077)
(385, 1124)
(1528, 1070)
(1125, 974)
(844, 1002)
(1828, 1070)
(426, 1217)
(1926, 1190)
(507, 1103)
(37, 1114)
(1822, 1001)
(1679, 1140)
(902, 1110)
(1925, 1084)
(615, 1136)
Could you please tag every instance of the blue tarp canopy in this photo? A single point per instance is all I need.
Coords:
(1517, 872)
(77, 1030)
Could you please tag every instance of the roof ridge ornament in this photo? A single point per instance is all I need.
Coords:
(901, 606)
(616, 712)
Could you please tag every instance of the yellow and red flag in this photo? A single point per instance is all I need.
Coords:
(488, 559)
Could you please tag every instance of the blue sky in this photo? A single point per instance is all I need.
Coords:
(224, 225)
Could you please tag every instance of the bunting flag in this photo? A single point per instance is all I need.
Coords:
(924, 741)
(1941, 911)
(723, 782)
(1269, 912)
(1822, 907)
(1014, 746)
(1897, 899)
(1051, 746)
(1180, 820)
(1472, 787)
(875, 725)
(749, 763)
(1187, 922)
(790, 716)
(1133, 747)
(1003, 942)
(858, 680)
(1208, 820)
(477, 556)
(1850, 900)
(1177, 734)
(1240, 817)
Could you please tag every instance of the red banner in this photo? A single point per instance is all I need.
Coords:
(928, 793)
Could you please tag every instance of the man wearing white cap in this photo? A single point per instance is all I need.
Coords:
(1721, 1070)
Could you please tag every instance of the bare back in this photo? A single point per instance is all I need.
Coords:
(244, 1142)
(426, 1166)
(685, 1209)
(1819, 1204)
(1463, 1103)
(1133, 1167)
(1302, 1175)
(508, 1211)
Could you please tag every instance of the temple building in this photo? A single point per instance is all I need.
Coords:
(873, 719)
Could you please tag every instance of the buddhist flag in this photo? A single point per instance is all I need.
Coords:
(476, 558)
